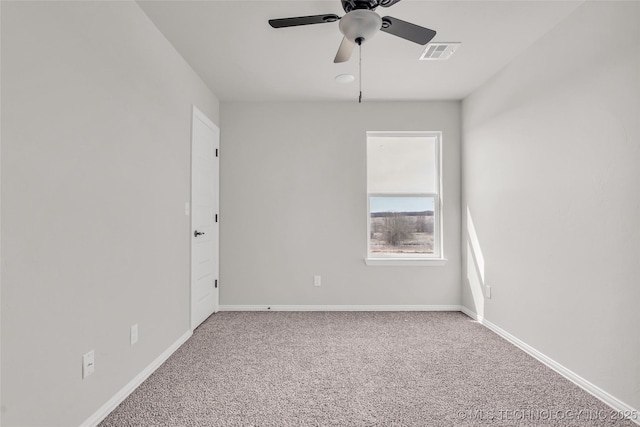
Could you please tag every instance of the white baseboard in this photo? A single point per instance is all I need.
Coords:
(471, 314)
(102, 413)
(339, 308)
(591, 388)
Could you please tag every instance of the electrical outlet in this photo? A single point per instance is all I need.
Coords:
(88, 364)
(487, 292)
(187, 209)
(134, 334)
(317, 280)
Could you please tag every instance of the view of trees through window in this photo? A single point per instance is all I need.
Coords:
(395, 230)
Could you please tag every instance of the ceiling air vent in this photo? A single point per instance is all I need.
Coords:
(438, 51)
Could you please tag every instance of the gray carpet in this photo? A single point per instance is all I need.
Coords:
(355, 369)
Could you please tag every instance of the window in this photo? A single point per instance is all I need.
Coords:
(403, 198)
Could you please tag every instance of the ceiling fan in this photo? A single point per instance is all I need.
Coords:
(360, 23)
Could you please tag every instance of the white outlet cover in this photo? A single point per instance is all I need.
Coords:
(317, 281)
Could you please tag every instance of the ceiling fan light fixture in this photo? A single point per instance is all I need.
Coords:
(360, 24)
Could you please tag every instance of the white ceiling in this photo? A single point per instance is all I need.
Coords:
(232, 47)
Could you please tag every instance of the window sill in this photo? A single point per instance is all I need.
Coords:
(405, 262)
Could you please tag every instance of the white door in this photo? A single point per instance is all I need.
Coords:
(205, 143)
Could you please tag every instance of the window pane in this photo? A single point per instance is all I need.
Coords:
(401, 225)
(401, 165)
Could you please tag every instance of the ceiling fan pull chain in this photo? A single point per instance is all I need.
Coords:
(360, 71)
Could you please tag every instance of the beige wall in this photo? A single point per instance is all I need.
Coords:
(293, 204)
(551, 148)
(96, 117)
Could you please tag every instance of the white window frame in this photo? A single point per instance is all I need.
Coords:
(435, 259)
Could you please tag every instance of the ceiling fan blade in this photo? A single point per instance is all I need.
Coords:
(387, 3)
(407, 30)
(344, 51)
(303, 20)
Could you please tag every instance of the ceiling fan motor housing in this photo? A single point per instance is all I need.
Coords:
(360, 25)
(349, 5)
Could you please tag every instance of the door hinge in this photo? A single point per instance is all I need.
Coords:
(216, 217)
(215, 284)
(216, 152)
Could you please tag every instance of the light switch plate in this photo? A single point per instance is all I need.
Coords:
(134, 334)
(88, 364)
